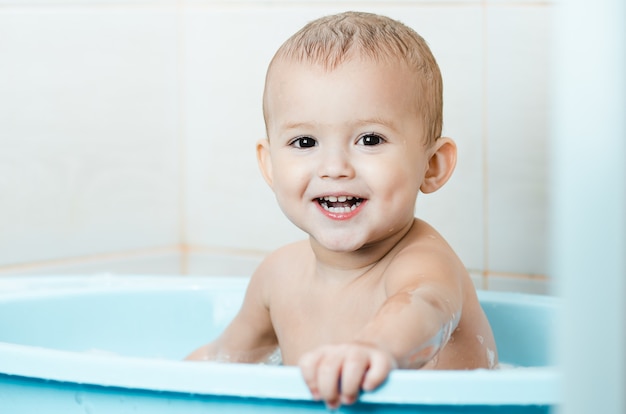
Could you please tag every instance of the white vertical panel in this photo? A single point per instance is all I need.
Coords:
(589, 206)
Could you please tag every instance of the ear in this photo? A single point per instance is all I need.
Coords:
(264, 160)
(440, 165)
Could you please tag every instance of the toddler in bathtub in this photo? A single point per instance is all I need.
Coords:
(353, 112)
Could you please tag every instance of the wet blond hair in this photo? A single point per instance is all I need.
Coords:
(330, 40)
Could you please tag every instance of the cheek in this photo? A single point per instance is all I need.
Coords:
(394, 174)
(289, 176)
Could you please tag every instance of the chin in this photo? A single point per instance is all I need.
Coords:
(340, 245)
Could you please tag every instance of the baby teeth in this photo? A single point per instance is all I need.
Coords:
(340, 210)
(327, 201)
(334, 199)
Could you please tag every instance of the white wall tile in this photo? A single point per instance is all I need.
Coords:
(478, 280)
(456, 210)
(536, 286)
(88, 122)
(164, 263)
(519, 39)
(227, 52)
(517, 3)
(214, 264)
(87, 3)
(88, 125)
(332, 3)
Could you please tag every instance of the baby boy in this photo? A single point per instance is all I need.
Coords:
(353, 113)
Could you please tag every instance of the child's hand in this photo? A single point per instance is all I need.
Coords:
(336, 373)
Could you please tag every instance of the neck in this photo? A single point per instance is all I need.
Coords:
(356, 263)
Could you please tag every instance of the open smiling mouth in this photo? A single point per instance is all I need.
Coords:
(340, 204)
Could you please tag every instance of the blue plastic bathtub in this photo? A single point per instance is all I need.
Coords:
(113, 344)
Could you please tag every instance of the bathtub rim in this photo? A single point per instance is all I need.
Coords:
(518, 386)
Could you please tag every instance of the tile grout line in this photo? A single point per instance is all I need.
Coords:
(90, 258)
(131, 254)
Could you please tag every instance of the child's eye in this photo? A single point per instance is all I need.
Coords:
(370, 139)
(303, 142)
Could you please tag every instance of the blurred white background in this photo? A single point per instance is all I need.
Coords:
(127, 133)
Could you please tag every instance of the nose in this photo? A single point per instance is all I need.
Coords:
(335, 163)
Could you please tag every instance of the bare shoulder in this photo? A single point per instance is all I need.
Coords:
(268, 279)
(424, 258)
(287, 251)
(426, 265)
(278, 266)
(284, 258)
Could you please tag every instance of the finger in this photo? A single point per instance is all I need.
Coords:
(328, 374)
(380, 366)
(352, 374)
(308, 367)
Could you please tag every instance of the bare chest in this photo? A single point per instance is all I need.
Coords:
(314, 318)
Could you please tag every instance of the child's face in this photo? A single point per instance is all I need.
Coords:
(346, 154)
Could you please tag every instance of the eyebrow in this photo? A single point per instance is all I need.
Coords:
(388, 123)
(298, 125)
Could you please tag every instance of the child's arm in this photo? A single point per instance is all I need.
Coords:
(249, 337)
(423, 308)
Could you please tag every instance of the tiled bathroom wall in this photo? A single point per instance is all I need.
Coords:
(128, 130)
